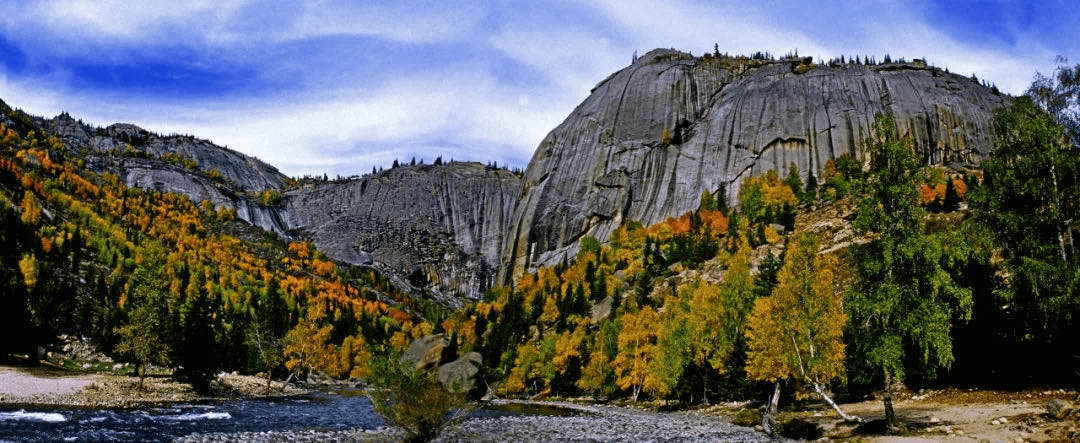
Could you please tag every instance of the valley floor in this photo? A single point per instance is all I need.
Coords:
(960, 415)
(938, 415)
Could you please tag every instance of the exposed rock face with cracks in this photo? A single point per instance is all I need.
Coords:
(650, 138)
(435, 228)
(441, 227)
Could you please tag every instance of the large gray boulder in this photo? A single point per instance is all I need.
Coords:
(426, 352)
(650, 138)
(460, 375)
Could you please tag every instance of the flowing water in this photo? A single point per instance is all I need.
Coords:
(320, 411)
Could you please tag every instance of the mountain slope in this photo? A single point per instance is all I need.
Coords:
(430, 227)
(440, 226)
(650, 138)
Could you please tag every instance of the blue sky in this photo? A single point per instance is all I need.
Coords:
(328, 86)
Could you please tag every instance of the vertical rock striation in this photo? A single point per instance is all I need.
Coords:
(438, 228)
(441, 227)
(653, 136)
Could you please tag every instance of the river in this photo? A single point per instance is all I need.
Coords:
(319, 411)
(330, 413)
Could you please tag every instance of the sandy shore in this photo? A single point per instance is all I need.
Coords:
(57, 387)
(16, 385)
(960, 415)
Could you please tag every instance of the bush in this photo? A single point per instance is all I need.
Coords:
(414, 400)
(270, 197)
(747, 417)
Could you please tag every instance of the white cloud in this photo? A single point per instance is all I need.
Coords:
(414, 22)
(81, 22)
(736, 28)
(572, 60)
(513, 74)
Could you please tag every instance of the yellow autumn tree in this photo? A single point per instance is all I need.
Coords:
(797, 331)
(637, 348)
(717, 313)
(30, 209)
(28, 266)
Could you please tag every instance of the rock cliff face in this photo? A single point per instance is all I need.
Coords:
(138, 157)
(441, 227)
(244, 172)
(653, 136)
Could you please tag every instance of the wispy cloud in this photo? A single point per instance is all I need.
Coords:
(339, 87)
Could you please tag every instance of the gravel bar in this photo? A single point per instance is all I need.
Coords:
(595, 423)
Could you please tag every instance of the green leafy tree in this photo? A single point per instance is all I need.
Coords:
(144, 340)
(903, 307)
(1030, 199)
(414, 399)
(1059, 94)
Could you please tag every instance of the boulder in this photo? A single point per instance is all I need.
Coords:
(426, 352)
(1059, 409)
(460, 375)
(601, 310)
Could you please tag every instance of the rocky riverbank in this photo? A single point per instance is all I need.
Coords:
(580, 423)
(59, 387)
(939, 415)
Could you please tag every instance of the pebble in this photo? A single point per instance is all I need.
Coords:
(597, 423)
(996, 422)
(935, 420)
(602, 423)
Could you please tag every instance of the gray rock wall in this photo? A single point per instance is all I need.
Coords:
(441, 227)
(437, 227)
(244, 172)
(652, 137)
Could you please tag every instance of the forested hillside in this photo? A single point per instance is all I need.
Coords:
(157, 278)
(867, 273)
(886, 272)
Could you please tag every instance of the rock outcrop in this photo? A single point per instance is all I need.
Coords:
(243, 172)
(441, 226)
(650, 138)
(429, 227)
(181, 164)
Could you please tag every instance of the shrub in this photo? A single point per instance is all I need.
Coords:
(270, 197)
(414, 400)
(747, 417)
